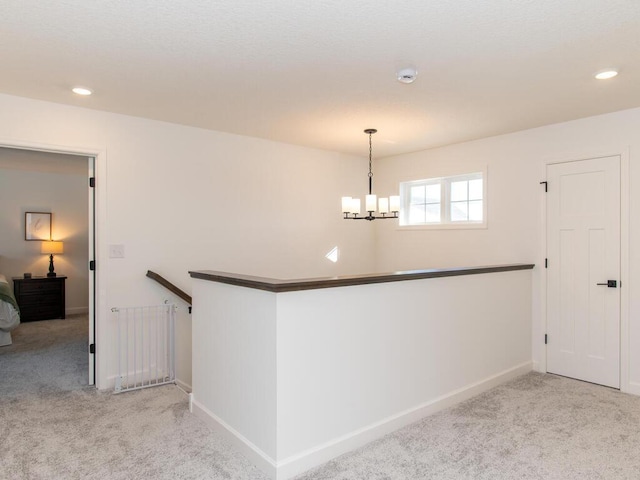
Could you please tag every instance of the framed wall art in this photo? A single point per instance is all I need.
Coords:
(37, 226)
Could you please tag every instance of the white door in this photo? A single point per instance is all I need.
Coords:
(583, 253)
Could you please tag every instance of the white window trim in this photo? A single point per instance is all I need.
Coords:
(446, 180)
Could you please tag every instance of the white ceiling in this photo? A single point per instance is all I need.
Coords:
(318, 72)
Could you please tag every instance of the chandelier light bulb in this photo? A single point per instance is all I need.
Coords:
(394, 203)
(346, 204)
(355, 206)
(370, 202)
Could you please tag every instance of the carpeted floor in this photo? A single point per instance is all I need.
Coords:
(46, 356)
(54, 426)
(535, 427)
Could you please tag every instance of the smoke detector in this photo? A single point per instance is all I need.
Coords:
(407, 75)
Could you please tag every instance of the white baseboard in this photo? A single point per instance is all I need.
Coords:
(248, 449)
(292, 466)
(185, 386)
(76, 310)
(313, 457)
(633, 388)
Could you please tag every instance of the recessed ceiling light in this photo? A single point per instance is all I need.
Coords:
(81, 91)
(605, 74)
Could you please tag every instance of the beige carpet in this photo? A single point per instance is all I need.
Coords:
(49, 355)
(54, 426)
(535, 427)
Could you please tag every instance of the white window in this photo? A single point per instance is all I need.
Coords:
(458, 200)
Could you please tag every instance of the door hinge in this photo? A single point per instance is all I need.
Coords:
(92, 265)
(545, 339)
(546, 263)
(92, 348)
(546, 185)
(92, 182)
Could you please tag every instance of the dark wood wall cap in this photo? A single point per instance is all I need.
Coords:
(278, 286)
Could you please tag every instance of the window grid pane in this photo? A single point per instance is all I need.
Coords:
(433, 213)
(463, 198)
(424, 204)
(417, 214)
(432, 193)
(459, 191)
(475, 189)
(417, 194)
(475, 211)
(459, 211)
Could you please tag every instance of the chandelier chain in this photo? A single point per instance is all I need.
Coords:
(370, 152)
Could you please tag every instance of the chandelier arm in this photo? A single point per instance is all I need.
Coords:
(371, 217)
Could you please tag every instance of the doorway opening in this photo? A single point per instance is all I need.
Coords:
(53, 182)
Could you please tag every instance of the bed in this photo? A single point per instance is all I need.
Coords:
(9, 312)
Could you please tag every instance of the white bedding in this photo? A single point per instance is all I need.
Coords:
(9, 316)
(9, 319)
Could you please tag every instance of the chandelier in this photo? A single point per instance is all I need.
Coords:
(386, 207)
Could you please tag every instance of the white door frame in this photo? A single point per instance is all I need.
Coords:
(623, 153)
(100, 193)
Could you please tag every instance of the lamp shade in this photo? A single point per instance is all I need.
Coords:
(52, 248)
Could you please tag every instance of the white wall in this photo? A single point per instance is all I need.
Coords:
(352, 358)
(515, 233)
(180, 198)
(234, 360)
(65, 196)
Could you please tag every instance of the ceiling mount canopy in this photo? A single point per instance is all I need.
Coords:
(387, 207)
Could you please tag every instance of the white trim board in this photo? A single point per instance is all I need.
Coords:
(320, 454)
(633, 388)
(184, 386)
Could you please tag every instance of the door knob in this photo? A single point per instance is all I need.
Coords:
(610, 284)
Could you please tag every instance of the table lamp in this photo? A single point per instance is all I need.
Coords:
(51, 249)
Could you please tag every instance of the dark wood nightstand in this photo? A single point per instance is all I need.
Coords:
(40, 298)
